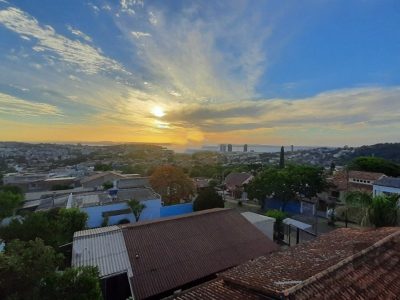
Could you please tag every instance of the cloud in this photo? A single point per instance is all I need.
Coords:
(86, 57)
(200, 54)
(13, 106)
(79, 33)
(342, 109)
(139, 34)
(127, 6)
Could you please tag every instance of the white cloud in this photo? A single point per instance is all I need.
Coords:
(152, 18)
(139, 34)
(342, 109)
(89, 59)
(13, 106)
(79, 33)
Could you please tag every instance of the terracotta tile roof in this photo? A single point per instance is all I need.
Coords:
(365, 175)
(374, 274)
(166, 254)
(341, 180)
(344, 264)
(218, 290)
(237, 179)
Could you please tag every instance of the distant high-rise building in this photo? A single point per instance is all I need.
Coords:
(245, 148)
(229, 147)
(222, 148)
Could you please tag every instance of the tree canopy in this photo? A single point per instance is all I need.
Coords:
(375, 211)
(136, 208)
(206, 199)
(171, 183)
(55, 227)
(375, 164)
(10, 200)
(28, 271)
(288, 183)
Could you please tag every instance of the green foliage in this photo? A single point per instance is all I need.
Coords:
(102, 167)
(74, 283)
(23, 266)
(104, 223)
(384, 211)
(282, 158)
(278, 215)
(378, 211)
(375, 164)
(136, 208)
(124, 221)
(107, 185)
(55, 227)
(28, 271)
(206, 199)
(288, 183)
(9, 202)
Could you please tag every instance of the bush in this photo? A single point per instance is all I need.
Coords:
(207, 199)
(124, 221)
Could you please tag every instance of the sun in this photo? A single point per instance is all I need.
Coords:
(158, 111)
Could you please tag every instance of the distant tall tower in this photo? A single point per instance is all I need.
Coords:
(229, 147)
(222, 148)
(245, 148)
(292, 148)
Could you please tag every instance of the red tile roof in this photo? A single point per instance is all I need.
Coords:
(166, 254)
(218, 290)
(343, 264)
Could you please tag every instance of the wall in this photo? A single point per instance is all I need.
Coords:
(154, 210)
(174, 210)
(95, 217)
(292, 207)
(266, 227)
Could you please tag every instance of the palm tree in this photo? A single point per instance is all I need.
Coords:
(361, 201)
(378, 211)
(136, 208)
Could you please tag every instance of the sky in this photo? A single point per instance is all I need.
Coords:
(309, 72)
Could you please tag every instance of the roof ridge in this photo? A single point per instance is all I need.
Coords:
(172, 218)
(340, 264)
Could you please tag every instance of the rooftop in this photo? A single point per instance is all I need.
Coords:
(176, 251)
(389, 182)
(344, 264)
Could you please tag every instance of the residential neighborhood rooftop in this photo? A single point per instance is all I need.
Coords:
(344, 264)
(389, 182)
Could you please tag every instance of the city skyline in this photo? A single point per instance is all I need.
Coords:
(191, 73)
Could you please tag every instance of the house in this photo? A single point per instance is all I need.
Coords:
(343, 264)
(97, 180)
(34, 182)
(235, 183)
(156, 258)
(387, 185)
(343, 182)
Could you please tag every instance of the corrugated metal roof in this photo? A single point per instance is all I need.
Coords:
(166, 254)
(102, 247)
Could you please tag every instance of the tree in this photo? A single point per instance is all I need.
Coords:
(375, 164)
(9, 202)
(73, 283)
(375, 211)
(55, 227)
(206, 199)
(282, 158)
(171, 183)
(107, 185)
(102, 167)
(279, 216)
(28, 271)
(287, 184)
(23, 265)
(136, 208)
